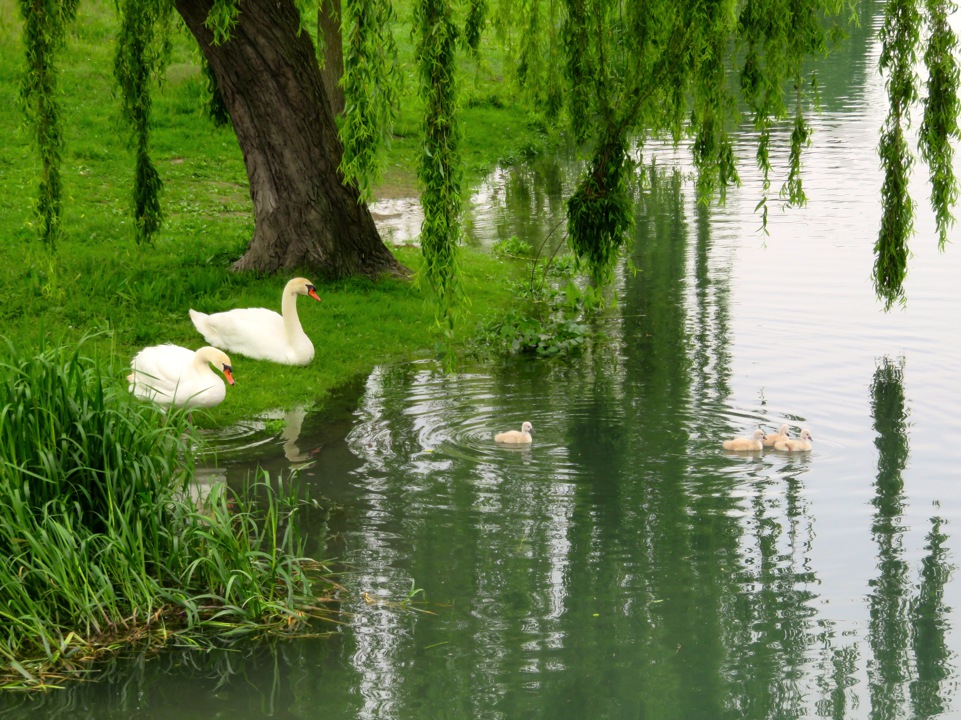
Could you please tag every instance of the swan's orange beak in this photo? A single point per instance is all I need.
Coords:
(229, 374)
(312, 292)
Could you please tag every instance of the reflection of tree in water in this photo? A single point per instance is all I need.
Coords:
(774, 621)
(718, 620)
(929, 626)
(888, 633)
(907, 631)
(527, 200)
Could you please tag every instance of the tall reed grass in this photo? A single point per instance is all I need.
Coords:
(101, 543)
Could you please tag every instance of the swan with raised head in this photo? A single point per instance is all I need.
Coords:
(746, 444)
(173, 375)
(802, 444)
(260, 333)
(516, 437)
(781, 434)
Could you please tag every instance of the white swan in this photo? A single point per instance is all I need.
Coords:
(516, 437)
(260, 333)
(746, 444)
(781, 434)
(801, 445)
(174, 375)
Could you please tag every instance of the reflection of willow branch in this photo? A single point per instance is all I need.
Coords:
(661, 340)
(702, 326)
(837, 680)
(890, 422)
(679, 294)
(714, 336)
(888, 631)
(929, 625)
(777, 622)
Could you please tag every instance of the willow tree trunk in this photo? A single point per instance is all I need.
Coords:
(304, 215)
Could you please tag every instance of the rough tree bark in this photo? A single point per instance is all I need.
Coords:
(328, 23)
(304, 215)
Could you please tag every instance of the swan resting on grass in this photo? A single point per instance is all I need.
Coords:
(173, 375)
(802, 444)
(516, 437)
(781, 434)
(746, 444)
(260, 333)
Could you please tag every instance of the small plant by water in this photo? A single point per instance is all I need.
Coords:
(513, 247)
(552, 309)
(101, 543)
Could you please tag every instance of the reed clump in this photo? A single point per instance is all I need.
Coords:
(101, 541)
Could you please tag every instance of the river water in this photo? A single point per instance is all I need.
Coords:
(624, 565)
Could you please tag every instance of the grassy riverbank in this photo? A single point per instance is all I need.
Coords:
(102, 544)
(100, 281)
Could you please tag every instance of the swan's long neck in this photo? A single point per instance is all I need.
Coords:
(202, 364)
(288, 308)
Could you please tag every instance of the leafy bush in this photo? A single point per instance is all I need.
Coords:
(548, 321)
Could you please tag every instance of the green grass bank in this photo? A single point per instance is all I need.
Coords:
(100, 281)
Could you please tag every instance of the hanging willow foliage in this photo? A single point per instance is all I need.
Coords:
(370, 88)
(439, 171)
(474, 25)
(143, 48)
(713, 111)
(630, 71)
(600, 213)
(44, 31)
(639, 70)
(577, 68)
(215, 107)
(941, 111)
(778, 41)
(900, 36)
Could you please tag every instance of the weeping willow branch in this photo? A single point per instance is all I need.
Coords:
(578, 67)
(793, 189)
(474, 25)
(941, 110)
(44, 30)
(142, 51)
(712, 151)
(600, 212)
(215, 107)
(440, 164)
(370, 88)
(900, 35)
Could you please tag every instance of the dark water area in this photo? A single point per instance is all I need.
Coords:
(624, 565)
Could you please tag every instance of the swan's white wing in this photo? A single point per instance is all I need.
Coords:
(254, 332)
(157, 371)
